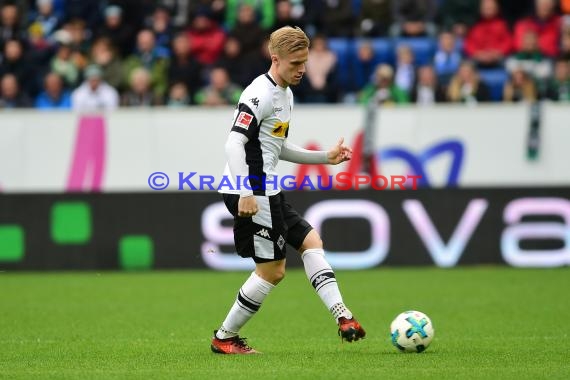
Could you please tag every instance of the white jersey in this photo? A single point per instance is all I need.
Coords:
(263, 115)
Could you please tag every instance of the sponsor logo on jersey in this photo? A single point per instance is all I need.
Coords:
(280, 129)
(243, 120)
(277, 109)
(263, 233)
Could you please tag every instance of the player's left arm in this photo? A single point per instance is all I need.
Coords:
(337, 154)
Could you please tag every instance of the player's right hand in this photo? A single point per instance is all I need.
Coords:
(247, 206)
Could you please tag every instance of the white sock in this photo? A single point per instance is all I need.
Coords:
(248, 301)
(322, 278)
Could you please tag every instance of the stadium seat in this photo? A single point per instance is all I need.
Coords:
(423, 48)
(361, 74)
(356, 7)
(383, 50)
(495, 79)
(340, 46)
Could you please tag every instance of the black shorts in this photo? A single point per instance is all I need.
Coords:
(263, 236)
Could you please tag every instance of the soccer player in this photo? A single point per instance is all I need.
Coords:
(263, 220)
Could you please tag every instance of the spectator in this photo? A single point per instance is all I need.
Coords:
(80, 43)
(10, 24)
(115, 29)
(375, 18)
(178, 96)
(363, 67)
(94, 95)
(46, 20)
(57, 5)
(405, 70)
(565, 24)
(36, 40)
(337, 18)
(246, 30)
(520, 87)
(427, 91)
(513, 10)
(22, 11)
(530, 59)
(285, 15)
(216, 10)
(546, 23)
(15, 62)
(447, 58)
(258, 62)
(320, 70)
(220, 91)
(233, 61)
(457, 16)
(206, 38)
(54, 95)
(489, 41)
(559, 86)
(308, 13)
(86, 10)
(148, 57)
(161, 25)
(135, 11)
(382, 89)
(103, 55)
(565, 46)
(183, 67)
(414, 18)
(10, 95)
(140, 93)
(179, 11)
(65, 66)
(264, 8)
(467, 87)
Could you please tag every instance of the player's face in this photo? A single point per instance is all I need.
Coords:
(291, 67)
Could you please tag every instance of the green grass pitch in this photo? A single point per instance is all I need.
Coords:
(490, 322)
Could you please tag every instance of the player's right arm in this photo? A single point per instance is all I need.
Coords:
(245, 127)
(235, 151)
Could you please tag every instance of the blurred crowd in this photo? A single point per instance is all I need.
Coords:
(94, 54)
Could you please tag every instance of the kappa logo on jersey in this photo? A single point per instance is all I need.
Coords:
(280, 129)
(263, 233)
(255, 102)
(243, 120)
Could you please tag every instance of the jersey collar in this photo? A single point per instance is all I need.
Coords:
(270, 78)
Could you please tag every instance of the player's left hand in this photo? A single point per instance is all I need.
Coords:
(339, 153)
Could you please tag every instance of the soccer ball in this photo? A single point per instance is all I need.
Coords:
(411, 331)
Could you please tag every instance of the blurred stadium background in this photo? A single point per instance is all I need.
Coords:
(103, 277)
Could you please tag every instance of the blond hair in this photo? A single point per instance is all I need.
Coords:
(287, 40)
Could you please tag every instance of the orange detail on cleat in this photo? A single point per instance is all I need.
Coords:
(234, 345)
(350, 330)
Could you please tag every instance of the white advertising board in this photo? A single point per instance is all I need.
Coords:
(449, 145)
